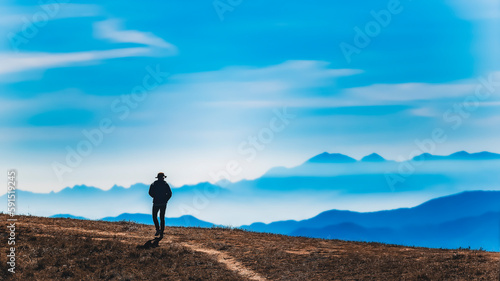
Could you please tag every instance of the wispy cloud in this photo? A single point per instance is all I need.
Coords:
(107, 30)
(112, 30)
(412, 91)
(18, 62)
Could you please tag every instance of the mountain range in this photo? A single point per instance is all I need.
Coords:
(461, 155)
(468, 219)
(184, 221)
(326, 157)
(465, 220)
(324, 182)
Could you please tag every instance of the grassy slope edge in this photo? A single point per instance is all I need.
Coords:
(58, 248)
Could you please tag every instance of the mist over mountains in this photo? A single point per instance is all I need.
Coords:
(468, 219)
(324, 182)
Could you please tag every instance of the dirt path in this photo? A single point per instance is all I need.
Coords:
(230, 262)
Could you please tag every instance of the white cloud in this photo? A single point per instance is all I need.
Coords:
(18, 62)
(109, 30)
(411, 91)
(425, 112)
(112, 30)
(266, 86)
(293, 71)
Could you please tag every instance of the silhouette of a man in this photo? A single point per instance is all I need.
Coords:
(161, 193)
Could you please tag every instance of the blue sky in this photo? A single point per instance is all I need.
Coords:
(181, 88)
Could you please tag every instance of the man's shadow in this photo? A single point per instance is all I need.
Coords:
(153, 243)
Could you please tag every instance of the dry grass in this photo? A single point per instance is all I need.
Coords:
(86, 250)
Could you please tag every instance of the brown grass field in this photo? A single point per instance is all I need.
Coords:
(54, 249)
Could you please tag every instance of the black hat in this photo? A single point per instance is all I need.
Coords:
(161, 175)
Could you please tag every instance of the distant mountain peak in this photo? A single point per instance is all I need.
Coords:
(374, 157)
(487, 155)
(460, 155)
(81, 188)
(326, 157)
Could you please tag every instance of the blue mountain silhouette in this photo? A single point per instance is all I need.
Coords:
(117, 200)
(435, 211)
(326, 157)
(428, 224)
(374, 157)
(185, 221)
(461, 155)
(479, 232)
(68, 216)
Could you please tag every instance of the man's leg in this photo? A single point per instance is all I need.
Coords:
(162, 218)
(155, 217)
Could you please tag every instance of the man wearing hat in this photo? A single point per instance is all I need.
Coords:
(161, 193)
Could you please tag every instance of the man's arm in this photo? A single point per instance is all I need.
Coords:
(151, 190)
(169, 192)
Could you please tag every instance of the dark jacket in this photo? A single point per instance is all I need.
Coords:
(160, 191)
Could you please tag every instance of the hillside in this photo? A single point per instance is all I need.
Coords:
(57, 248)
(467, 219)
